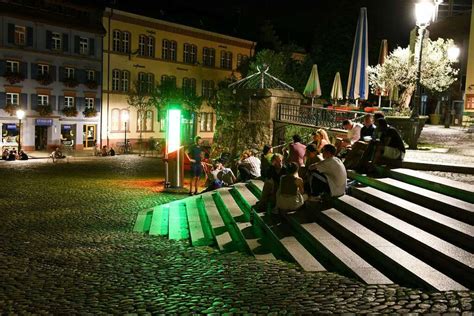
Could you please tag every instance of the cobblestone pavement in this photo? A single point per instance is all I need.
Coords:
(452, 145)
(66, 248)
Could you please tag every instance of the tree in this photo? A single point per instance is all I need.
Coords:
(437, 72)
(139, 98)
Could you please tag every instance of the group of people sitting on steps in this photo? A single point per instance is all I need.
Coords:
(306, 172)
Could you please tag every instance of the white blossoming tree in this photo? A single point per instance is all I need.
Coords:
(400, 68)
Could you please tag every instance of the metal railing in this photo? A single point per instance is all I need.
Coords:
(316, 116)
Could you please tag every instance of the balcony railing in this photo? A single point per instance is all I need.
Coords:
(316, 116)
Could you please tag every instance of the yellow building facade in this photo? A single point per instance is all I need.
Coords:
(139, 48)
(469, 98)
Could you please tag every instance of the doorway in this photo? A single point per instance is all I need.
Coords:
(90, 135)
(41, 137)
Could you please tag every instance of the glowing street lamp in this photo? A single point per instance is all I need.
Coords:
(20, 114)
(125, 118)
(424, 14)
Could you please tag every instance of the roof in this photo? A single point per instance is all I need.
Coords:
(261, 80)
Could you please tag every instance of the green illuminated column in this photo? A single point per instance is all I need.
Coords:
(174, 151)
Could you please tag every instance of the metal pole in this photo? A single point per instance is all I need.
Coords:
(19, 137)
(415, 113)
(125, 142)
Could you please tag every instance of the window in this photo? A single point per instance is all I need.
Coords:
(125, 80)
(43, 99)
(207, 88)
(141, 45)
(126, 42)
(150, 82)
(115, 119)
(115, 80)
(189, 86)
(169, 50)
(142, 81)
(189, 54)
(89, 103)
(226, 60)
(43, 69)
(69, 73)
(20, 35)
(145, 121)
(240, 59)
(163, 121)
(151, 46)
(168, 80)
(57, 41)
(91, 75)
(12, 98)
(13, 66)
(207, 122)
(83, 45)
(117, 41)
(208, 56)
(69, 102)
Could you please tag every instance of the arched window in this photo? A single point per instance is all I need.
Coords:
(151, 46)
(145, 121)
(142, 42)
(115, 120)
(117, 41)
(122, 123)
(115, 80)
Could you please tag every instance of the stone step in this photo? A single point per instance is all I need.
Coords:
(250, 234)
(221, 234)
(447, 258)
(285, 245)
(143, 221)
(178, 221)
(196, 229)
(335, 255)
(437, 166)
(458, 190)
(396, 263)
(445, 227)
(246, 193)
(257, 183)
(441, 203)
(160, 220)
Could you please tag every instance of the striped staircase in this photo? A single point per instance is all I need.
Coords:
(408, 227)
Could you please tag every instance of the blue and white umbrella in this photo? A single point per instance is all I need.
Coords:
(358, 81)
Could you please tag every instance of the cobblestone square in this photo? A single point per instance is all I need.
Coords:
(67, 248)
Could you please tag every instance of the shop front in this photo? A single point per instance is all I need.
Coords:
(10, 132)
(42, 130)
(89, 135)
(68, 135)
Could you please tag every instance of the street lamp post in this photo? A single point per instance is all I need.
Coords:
(423, 13)
(453, 54)
(125, 118)
(20, 114)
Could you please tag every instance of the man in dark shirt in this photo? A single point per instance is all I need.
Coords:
(195, 156)
(368, 128)
(390, 150)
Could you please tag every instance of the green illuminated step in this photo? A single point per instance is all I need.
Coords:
(196, 227)
(222, 236)
(159, 221)
(178, 222)
(249, 233)
(143, 221)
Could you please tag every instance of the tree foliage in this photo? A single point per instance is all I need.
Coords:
(437, 71)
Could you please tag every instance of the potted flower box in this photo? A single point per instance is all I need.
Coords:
(70, 111)
(70, 82)
(91, 84)
(14, 77)
(89, 112)
(44, 79)
(44, 110)
(11, 108)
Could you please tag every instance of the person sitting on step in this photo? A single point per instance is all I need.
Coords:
(289, 196)
(329, 176)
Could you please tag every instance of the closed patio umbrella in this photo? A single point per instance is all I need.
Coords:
(383, 53)
(313, 88)
(336, 91)
(358, 81)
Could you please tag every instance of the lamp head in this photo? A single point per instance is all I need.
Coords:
(453, 53)
(125, 116)
(423, 13)
(20, 114)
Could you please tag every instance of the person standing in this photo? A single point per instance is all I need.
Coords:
(195, 156)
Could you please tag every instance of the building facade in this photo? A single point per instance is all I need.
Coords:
(50, 67)
(151, 51)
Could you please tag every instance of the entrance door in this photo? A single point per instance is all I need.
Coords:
(90, 136)
(41, 137)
